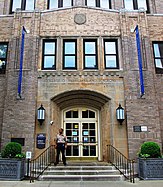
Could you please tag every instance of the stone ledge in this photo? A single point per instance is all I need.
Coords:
(80, 73)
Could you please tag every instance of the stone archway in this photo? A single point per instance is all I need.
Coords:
(86, 99)
(80, 97)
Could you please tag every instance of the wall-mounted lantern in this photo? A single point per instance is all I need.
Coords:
(41, 114)
(120, 114)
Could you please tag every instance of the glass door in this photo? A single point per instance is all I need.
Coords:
(81, 130)
(89, 139)
(72, 133)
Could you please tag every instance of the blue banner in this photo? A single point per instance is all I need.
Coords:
(142, 92)
(21, 62)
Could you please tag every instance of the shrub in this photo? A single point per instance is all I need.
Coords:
(150, 150)
(11, 150)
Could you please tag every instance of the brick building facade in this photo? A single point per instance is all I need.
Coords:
(80, 62)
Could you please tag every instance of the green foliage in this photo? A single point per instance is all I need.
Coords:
(150, 150)
(11, 150)
(22, 155)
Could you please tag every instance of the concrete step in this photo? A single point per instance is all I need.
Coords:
(68, 167)
(82, 171)
(81, 178)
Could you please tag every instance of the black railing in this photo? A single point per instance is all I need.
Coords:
(122, 163)
(41, 163)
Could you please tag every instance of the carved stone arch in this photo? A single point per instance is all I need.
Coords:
(80, 98)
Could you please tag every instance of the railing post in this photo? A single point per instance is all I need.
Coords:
(130, 170)
(108, 155)
(30, 177)
(133, 171)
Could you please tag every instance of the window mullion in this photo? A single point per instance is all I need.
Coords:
(48, 4)
(23, 4)
(97, 3)
(60, 3)
(147, 3)
(110, 5)
(135, 4)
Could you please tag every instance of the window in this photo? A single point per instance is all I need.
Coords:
(99, 3)
(69, 54)
(22, 4)
(136, 4)
(158, 56)
(49, 54)
(91, 3)
(90, 54)
(21, 141)
(105, 4)
(3, 57)
(30, 5)
(15, 4)
(111, 54)
(59, 3)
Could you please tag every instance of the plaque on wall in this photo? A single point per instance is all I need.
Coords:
(137, 128)
(80, 19)
(140, 128)
(41, 139)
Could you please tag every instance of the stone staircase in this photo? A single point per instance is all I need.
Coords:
(82, 171)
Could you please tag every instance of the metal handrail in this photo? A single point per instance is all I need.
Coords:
(41, 162)
(122, 163)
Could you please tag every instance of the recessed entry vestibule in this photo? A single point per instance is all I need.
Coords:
(89, 122)
(81, 126)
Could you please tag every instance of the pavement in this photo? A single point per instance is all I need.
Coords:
(138, 183)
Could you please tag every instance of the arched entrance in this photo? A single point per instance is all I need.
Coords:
(85, 117)
(81, 129)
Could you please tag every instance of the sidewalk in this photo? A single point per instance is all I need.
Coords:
(155, 183)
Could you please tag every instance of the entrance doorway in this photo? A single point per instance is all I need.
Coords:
(81, 129)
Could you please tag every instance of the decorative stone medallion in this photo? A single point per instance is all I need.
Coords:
(80, 19)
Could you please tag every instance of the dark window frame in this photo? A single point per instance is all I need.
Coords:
(157, 69)
(21, 141)
(98, 3)
(69, 40)
(135, 5)
(23, 5)
(60, 3)
(117, 56)
(3, 70)
(43, 55)
(96, 53)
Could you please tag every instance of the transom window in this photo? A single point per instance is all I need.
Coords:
(136, 4)
(158, 56)
(69, 54)
(59, 3)
(99, 3)
(111, 54)
(49, 54)
(3, 57)
(22, 4)
(90, 54)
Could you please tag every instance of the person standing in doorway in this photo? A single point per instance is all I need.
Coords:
(61, 146)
